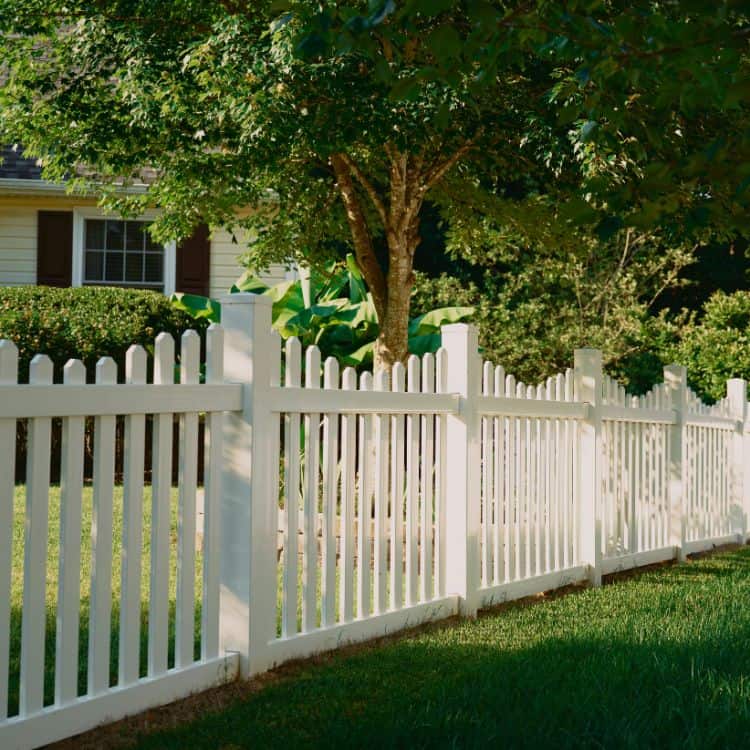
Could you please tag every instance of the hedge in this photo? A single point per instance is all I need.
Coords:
(86, 323)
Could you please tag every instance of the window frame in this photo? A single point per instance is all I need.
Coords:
(81, 213)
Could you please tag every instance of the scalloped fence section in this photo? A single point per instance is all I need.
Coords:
(336, 507)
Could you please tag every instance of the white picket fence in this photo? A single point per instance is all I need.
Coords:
(340, 510)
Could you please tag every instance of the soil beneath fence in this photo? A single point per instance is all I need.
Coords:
(125, 733)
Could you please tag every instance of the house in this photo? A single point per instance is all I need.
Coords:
(50, 237)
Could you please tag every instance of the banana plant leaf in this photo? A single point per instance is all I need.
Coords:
(331, 308)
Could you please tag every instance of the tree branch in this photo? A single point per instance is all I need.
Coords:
(439, 170)
(363, 248)
(366, 184)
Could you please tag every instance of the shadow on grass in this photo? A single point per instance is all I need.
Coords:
(658, 661)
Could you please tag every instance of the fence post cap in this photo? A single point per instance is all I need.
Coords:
(246, 298)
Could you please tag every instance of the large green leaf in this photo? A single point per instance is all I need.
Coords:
(432, 321)
(197, 306)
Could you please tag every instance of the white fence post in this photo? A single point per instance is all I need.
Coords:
(675, 378)
(249, 503)
(462, 475)
(588, 389)
(739, 477)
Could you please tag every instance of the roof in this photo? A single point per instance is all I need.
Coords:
(15, 166)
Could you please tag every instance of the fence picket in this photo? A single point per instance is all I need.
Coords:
(412, 488)
(132, 527)
(292, 379)
(397, 492)
(8, 376)
(428, 461)
(330, 465)
(348, 488)
(68, 586)
(161, 485)
(499, 492)
(380, 571)
(364, 506)
(35, 549)
(441, 467)
(213, 456)
(101, 540)
(190, 349)
(310, 500)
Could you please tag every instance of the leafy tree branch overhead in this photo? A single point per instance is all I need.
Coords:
(336, 121)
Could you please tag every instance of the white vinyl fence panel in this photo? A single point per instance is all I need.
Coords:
(337, 506)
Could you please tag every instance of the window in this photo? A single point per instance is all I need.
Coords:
(122, 253)
(111, 251)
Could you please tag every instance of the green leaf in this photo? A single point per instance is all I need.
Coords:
(197, 306)
(432, 321)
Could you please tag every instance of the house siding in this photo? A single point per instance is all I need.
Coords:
(224, 266)
(18, 244)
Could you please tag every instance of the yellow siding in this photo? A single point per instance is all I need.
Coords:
(224, 266)
(18, 244)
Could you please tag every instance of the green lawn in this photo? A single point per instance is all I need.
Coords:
(659, 660)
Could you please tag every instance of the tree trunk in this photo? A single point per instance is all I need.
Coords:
(392, 292)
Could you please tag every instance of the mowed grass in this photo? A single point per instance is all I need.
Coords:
(660, 660)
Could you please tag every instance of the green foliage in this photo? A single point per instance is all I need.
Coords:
(534, 309)
(331, 309)
(716, 346)
(86, 323)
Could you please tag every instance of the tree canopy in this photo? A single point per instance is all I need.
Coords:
(337, 121)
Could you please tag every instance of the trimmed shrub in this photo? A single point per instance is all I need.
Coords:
(718, 346)
(86, 323)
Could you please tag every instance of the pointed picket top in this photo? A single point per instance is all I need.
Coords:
(510, 386)
(441, 369)
(136, 360)
(365, 381)
(559, 387)
(190, 357)
(40, 370)
(312, 367)
(274, 354)
(331, 373)
(428, 373)
(499, 380)
(348, 379)
(293, 362)
(74, 372)
(8, 362)
(520, 390)
(215, 354)
(398, 377)
(106, 371)
(413, 367)
(381, 380)
(487, 377)
(164, 359)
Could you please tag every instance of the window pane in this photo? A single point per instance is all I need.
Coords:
(115, 234)
(152, 244)
(154, 267)
(134, 235)
(134, 267)
(94, 234)
(94, 266)
(114, 267)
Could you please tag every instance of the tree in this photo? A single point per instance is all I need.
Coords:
(337, 121)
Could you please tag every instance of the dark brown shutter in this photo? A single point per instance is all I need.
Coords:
(54, 248)
(193, 262)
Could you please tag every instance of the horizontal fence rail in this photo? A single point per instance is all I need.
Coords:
(337, 506)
